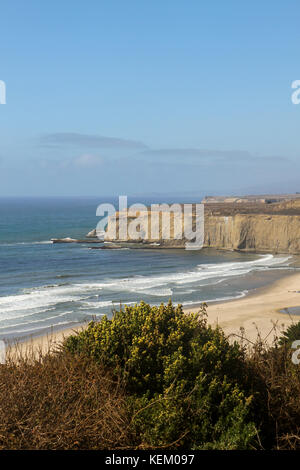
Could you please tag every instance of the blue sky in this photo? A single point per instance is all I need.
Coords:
(139, 96)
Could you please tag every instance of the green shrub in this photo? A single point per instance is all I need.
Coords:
(290, 335)
(187, 383)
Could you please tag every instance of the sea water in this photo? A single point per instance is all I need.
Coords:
(45, 286)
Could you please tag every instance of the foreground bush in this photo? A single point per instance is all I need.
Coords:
(185, 380)
(281, 378)
(61, 402)
(152, 377)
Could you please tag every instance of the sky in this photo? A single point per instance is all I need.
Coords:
(139, 97)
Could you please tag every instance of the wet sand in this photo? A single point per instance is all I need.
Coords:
(259, 311)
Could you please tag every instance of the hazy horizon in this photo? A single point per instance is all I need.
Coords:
(139, 98)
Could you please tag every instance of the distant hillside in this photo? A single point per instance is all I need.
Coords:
(265, 199)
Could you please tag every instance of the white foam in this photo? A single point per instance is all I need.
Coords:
(40, 298)
(37, 300)
(218, 299)
(41, 320)
(29, 330)
(154, 291)
(202, 272)
(43, 297)
(102, 304)
(43, 242)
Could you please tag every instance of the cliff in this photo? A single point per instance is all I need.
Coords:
(273, 229)
(254, 232)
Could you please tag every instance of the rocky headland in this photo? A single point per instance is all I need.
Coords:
(268, 224)
(272, 227)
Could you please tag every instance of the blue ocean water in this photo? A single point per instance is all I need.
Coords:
(45, 285)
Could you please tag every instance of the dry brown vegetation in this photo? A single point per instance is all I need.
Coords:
(281, 379)
(60, 401)
(232, 208)
(276, 380)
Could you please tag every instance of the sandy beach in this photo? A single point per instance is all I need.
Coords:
(258, 311)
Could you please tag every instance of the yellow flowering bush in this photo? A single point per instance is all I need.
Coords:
(187, 384)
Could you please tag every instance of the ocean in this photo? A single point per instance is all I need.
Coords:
(46, 286)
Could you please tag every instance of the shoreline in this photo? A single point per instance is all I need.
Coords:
(257, 311)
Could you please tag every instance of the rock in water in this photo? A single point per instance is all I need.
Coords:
(92, 234)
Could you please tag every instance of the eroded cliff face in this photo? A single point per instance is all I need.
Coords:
(254, 232)
(272, 233)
